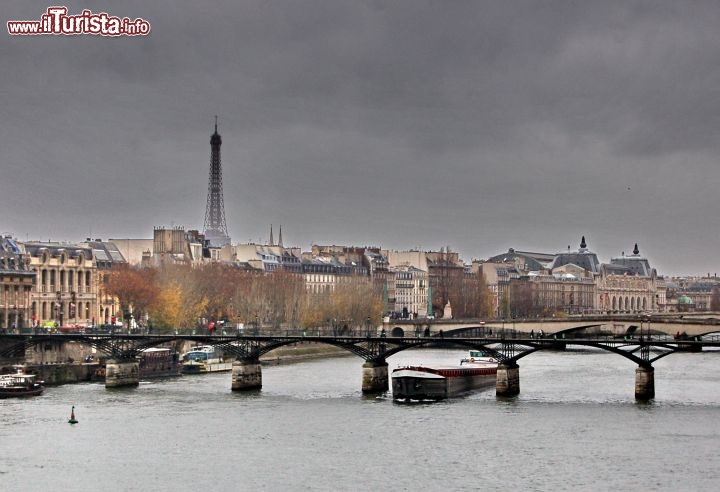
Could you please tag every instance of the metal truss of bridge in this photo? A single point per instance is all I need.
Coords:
(122, 352)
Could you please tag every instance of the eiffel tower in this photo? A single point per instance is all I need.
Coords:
(215, 227)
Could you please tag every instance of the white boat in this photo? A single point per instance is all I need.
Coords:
(476, 371)
(204, 358)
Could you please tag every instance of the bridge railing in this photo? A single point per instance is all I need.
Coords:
(479, 332)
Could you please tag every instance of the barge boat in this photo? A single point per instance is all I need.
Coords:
(157, 362)
(438, 383)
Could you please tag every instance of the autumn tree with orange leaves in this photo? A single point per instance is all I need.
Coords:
(177, 297)
(135, 288)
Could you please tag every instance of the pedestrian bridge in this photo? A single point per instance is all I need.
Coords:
(508, 346)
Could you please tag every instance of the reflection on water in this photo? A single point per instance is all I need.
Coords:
(575, 425)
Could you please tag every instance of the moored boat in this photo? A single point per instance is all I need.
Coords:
(202, 359)
(20, 384)
(157, 362)
(438, 383)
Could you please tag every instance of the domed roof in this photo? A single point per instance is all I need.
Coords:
(583, 258)
(684, 300)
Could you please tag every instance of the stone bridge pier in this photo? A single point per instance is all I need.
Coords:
(375, 377)
(644, 383)
(508, 379)
(246, 375)
(122, 372)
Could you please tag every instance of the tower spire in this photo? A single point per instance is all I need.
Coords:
(272, 241)
(215, 227)
(280, 238)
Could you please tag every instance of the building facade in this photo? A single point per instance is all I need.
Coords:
(629, 285)
(411, 287)
(573, 282)
(66, 289)
(107, 255)
(16, 284)
(176, 245)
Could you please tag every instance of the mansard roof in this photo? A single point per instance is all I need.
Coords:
(612, 269)
(636, 264)
(12, 261)
(56, 249)
(583, 257)
(532, 261)
(106, 253)
(331, 264)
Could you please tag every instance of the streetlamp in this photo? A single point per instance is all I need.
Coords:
(367, 325)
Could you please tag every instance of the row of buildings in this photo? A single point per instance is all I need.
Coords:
(49, 283)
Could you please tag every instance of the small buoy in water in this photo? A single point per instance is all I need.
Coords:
(72, 419)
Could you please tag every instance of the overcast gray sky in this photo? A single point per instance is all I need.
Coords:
(481, 125)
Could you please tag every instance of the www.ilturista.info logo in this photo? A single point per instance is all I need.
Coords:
(56, 21)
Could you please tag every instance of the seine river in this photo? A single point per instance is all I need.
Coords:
(574, 426)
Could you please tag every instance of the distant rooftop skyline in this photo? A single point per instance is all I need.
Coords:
(478, 125)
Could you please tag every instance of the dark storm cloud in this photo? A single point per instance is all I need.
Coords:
(482, 125)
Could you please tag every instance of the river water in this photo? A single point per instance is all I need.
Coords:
(574, 426)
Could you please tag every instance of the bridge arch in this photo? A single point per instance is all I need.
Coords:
(626, 350)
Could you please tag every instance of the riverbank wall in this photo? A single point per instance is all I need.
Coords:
(63, 373)
(57, 373)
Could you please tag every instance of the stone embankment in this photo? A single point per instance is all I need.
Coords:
(75, 372)
(301, 352)
(64, 373)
